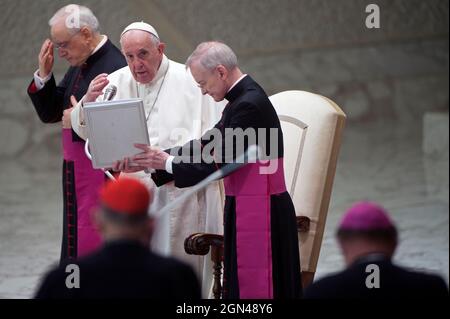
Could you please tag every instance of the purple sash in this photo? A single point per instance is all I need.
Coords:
(252, 190)
(87, 185)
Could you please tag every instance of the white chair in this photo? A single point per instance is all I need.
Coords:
(312, 129)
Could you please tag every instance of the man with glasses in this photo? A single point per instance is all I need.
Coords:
(261, 256)
(75, 35)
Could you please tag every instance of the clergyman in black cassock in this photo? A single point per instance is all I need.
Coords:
(261, 255)
(368, 238)
(80, 181)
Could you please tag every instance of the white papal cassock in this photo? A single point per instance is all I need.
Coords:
(176, 113)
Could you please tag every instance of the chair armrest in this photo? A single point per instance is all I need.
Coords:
(199, 243)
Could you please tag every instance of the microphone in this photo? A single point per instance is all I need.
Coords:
(110, 93)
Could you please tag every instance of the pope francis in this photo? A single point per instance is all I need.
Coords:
(176, 112)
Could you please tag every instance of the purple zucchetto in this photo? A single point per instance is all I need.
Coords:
(366, 216)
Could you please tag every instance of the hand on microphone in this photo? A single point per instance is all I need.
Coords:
(96, 88)
(110, 93)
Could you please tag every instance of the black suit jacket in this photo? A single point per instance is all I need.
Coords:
(395, 282)
(123, 269)
(51, 101)
(249, 108)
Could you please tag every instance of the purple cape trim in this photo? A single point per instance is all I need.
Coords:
(252, 186)
(87, 185)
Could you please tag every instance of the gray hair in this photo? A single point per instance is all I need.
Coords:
(211, 54)
(76, 17)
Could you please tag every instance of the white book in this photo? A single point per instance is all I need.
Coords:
(113, 129)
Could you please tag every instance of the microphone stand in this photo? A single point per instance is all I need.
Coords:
(251, 154)
(110, 93)
(88, 154)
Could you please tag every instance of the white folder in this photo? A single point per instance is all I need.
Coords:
(113, 128)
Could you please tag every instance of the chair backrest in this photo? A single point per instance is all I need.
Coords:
(312, 128)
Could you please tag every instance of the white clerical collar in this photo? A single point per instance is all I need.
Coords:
(102, 42)
(161, 72)
(235, 83)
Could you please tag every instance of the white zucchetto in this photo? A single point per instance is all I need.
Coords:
(141, 26)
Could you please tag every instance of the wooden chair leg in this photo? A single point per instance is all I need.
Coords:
(200, 244)
(216, 257)
(307, 278)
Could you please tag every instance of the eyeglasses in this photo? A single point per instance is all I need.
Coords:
(64, 45)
